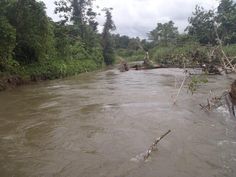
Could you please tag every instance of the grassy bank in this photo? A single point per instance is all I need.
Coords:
(16, 75)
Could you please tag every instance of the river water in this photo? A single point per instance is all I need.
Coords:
(93, 124)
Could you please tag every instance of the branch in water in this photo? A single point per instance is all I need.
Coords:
(144, 156)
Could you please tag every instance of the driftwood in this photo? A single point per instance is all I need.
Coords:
(144, 156)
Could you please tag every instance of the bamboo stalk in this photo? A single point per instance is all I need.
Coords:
(224, 54)
(180, 89)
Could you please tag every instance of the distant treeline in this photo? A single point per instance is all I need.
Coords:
(166, 44)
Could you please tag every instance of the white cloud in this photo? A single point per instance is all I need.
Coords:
(138, 17)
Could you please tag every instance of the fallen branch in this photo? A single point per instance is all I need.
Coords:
(144, 156)
(212, 102)
(153, 146)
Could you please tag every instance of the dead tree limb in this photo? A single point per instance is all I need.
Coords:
(153, 146)
(144, 156)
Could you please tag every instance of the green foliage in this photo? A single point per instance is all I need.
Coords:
(230, 50)
(34, 37)
(186, 55)
(226, 18)
(201, 26)
(164, 34)
(195, 81)
(70, 46)
(7, 41)
(32, 45)
(134, 44)
(79, 40)
(54, 69)
(7, 36)
(121, 42)
(11, 66)
(130, 55)
(81, 14)
(108, 46)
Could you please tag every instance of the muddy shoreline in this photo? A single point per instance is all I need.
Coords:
(14, 81)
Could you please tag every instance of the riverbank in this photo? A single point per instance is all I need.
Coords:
(49, 70)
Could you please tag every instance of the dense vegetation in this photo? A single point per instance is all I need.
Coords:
(167, 46)
(33, 46)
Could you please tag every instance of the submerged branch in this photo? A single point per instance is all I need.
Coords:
(144, 156)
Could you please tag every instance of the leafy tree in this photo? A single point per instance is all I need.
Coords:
(34, 37)
(147, 45)
(91, 16)
(108, 48)
(134, 44)
(164, 34)
(7, 33)
(201, 26)
(226, 18)
(81, 14)
(121, 41)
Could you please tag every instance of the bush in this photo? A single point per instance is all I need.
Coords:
(130, 55)
(54, 69)
(187, 55)
(230, 50)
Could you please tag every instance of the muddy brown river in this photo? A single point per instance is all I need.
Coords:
(93, 124)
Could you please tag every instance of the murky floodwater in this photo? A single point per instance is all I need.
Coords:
(93, 124)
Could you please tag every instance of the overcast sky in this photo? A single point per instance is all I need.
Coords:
(138, 17)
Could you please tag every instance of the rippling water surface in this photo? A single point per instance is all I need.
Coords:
(91, 125)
